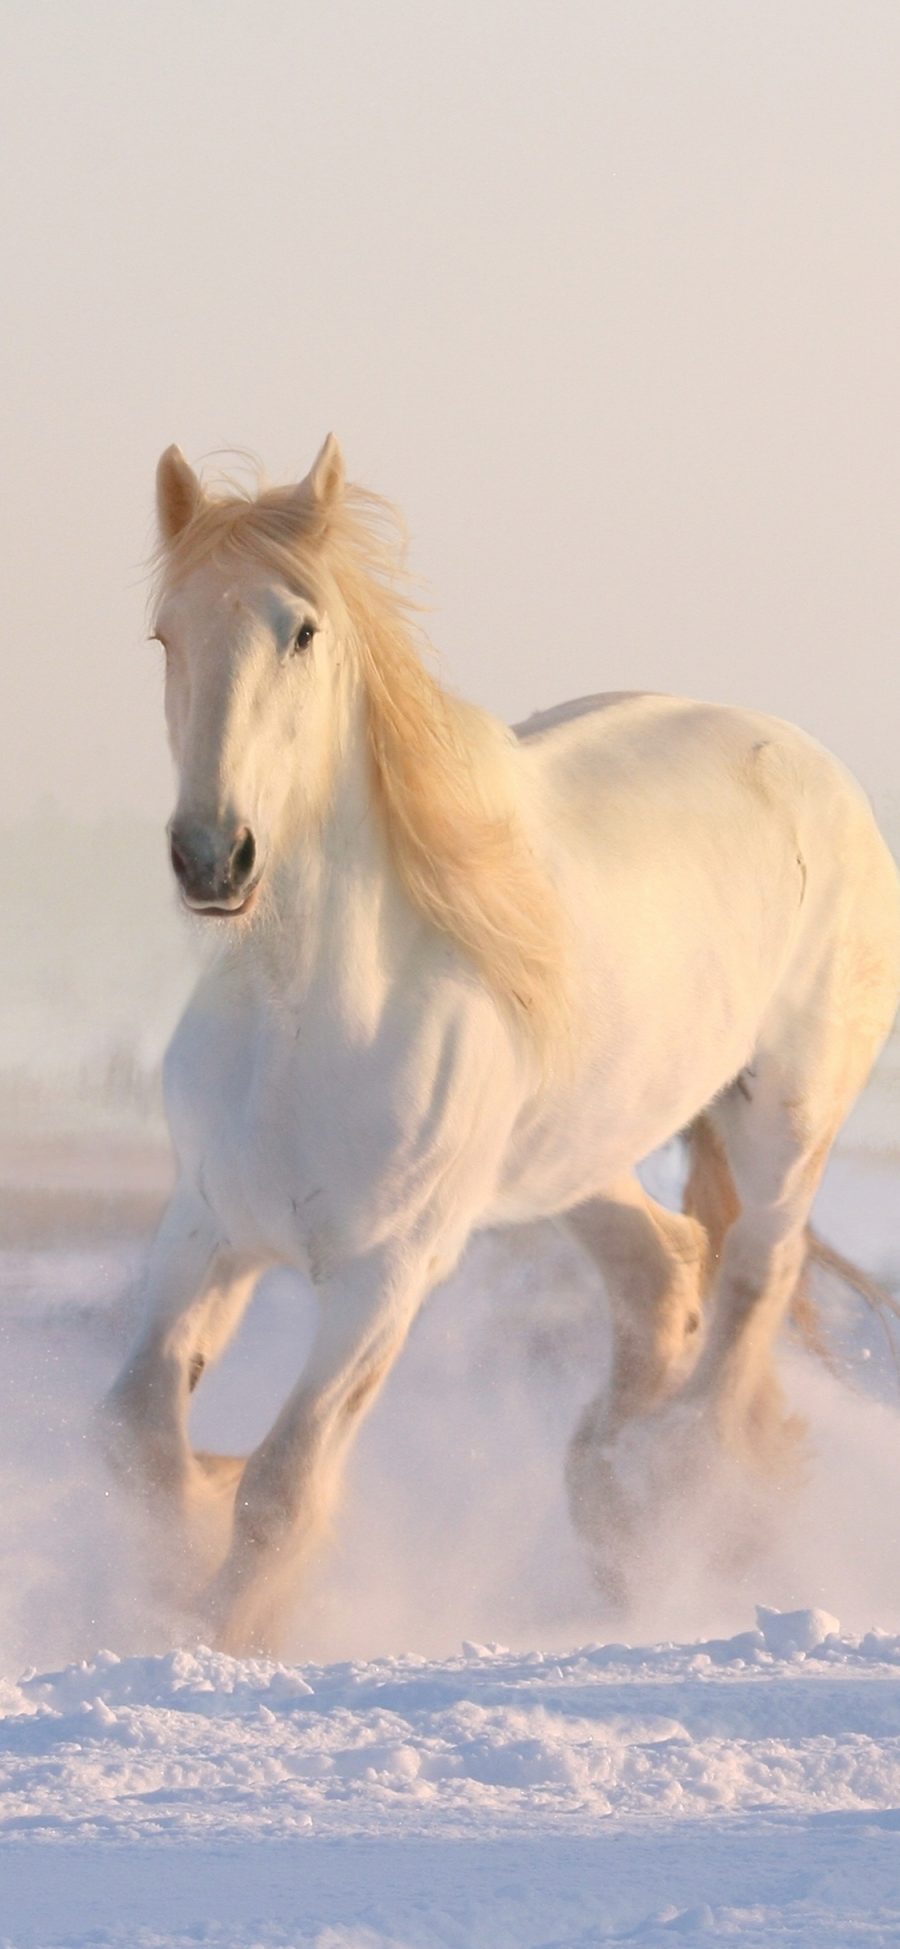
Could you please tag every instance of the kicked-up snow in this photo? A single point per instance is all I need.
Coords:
(721, 1766)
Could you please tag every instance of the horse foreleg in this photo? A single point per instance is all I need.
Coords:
(290, 1483)
(196, 1290)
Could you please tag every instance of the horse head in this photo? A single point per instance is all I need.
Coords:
(251, 625)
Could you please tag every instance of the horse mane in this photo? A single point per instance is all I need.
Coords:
(445, 773)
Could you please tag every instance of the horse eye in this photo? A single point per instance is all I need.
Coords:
(304, 636)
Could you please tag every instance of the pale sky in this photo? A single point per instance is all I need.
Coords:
(605, 294)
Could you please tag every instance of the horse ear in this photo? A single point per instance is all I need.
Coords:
(324, 484)
(179, 495)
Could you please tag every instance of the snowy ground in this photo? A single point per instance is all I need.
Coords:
(404, 1780)
(656, 1796)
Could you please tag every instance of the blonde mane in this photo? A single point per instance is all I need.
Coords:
(444, 772)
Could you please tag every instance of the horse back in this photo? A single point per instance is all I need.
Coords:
(705, 851)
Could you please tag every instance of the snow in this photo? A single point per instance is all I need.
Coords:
(460, 1750)
(708, 1791)
(192, 1744)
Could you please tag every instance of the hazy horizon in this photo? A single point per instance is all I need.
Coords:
(605, 298)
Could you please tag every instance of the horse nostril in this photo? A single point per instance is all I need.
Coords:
(243, 858)
(179, 863)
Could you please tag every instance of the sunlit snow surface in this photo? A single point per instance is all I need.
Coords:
(404, 1781)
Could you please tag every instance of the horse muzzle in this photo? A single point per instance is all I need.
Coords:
(218, 871)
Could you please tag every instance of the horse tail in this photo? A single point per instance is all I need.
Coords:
(710, 1196)
(875, 1296)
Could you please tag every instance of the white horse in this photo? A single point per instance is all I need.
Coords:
(465, 978)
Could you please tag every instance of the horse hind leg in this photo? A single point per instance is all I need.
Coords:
(654, 1265)
(710, 1194)
(774, 1131)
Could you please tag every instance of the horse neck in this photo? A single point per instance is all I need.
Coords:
(338, 916)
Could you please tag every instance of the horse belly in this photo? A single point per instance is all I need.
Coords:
(662, 1034)
(579, 1145)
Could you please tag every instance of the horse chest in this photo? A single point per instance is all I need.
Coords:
(304, 1146)
(277, 1155)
